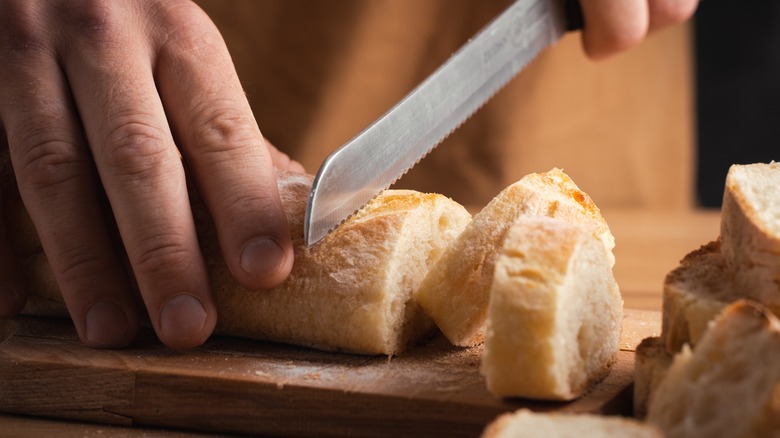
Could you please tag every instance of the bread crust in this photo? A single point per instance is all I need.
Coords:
(351, 292)
(743, 263)
(694, 293)
(455, 292)
(555, 312)
(651, 363)
(525, 423)
(728, 384)
(750, 229)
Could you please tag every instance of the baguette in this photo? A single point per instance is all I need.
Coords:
(750, 230)
(555, 312)
(729, 385)
(455, 292)
(743, 263)
(524, 423)
(694, 293)
(350, 292)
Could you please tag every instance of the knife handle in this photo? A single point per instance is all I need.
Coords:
(574, 20)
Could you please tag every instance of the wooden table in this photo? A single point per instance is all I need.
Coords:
(648, 246)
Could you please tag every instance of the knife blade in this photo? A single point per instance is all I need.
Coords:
(360, 169)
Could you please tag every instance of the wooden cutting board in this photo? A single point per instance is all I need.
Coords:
(241, 386)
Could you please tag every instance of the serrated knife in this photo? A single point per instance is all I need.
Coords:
(369, 163)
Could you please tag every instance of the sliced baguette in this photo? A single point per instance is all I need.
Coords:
(455, 292)
(650, 366)
(524, 423)
(554, 314)
(729, 385)
(694, 293)
(750, 230)
(350, 292)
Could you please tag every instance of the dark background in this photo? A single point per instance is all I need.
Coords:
(738, 89)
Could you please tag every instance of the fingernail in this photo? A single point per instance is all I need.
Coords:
(106, 324)
(7, 301)
(182, 317)
(262, 257)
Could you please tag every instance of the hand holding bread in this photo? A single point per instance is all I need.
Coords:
(545, 292)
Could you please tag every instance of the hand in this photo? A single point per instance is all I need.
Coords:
(97, 95)
(612, 26)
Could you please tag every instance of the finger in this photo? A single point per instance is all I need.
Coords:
(222, 144)
(667, 12)
(141, 171)
(611, 26)
(55, 182)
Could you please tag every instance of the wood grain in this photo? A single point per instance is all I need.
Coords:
(32, 363)
(239, 386)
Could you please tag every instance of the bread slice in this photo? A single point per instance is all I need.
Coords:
(750, 230)
(650, 366)
(729, 385)
(524, 423)
(455, 291)
(694, 294)
(554, 314)
(350, 292)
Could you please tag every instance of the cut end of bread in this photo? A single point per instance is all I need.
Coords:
(455, 292)
(352, 291)
(728, 385)
(750, 229)
(694, 294)
(756, 189)
(555, 312)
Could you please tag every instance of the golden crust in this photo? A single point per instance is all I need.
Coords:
(728, 384)
(750, 229)
(349, 292)
(694, 293)
(525, 423)
(652, 361)
(455, 293)
(555, 312)
(352, 291)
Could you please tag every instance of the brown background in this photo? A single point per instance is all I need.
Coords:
(318, 72)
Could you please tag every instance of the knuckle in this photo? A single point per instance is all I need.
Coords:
(95, 21)
(136, 148)
(238, 206)
(46, 160)
(161, 257)
(80, 265)
(188, 28)
(220, 127)
(21, 31)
